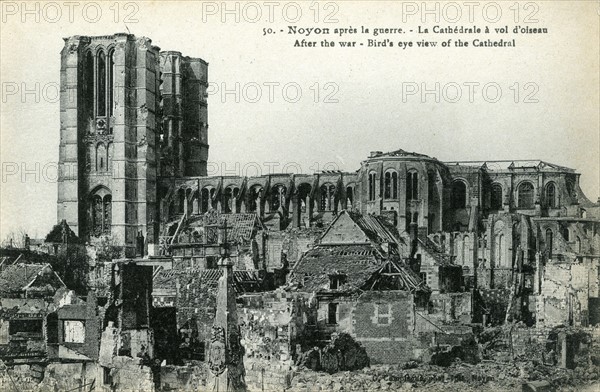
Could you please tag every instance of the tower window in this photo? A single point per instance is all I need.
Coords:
(372, 179)
(101, 212)
(412, 186)
(391, 185)
(111, 81)
(101, 84)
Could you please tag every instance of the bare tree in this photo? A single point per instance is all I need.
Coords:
(15, 238)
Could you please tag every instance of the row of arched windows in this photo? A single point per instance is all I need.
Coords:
(525, 196)
(390, 185)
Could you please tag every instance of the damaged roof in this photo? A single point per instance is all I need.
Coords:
(376, 228)
(18, 277)
(356, 262)
(503, 165)
(240, 227)
(244, 280)
(441, 258)
(394, 275)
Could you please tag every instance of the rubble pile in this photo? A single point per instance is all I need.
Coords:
(340, 354)
(487, 374)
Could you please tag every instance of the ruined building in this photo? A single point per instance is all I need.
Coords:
(133, 157)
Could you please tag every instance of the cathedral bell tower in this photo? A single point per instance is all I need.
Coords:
(112, 136)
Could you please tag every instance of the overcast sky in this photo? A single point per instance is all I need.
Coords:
(369, 86)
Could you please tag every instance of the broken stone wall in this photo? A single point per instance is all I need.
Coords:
(293, 242)
(70, 376)
(196, 309)
(129, 374)
(53, 376)
(25, 377)
(272, 325)
(451, 307)
(565, 291)
(543, 345)
(191, 377)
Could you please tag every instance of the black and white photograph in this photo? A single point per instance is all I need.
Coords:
(299, 196)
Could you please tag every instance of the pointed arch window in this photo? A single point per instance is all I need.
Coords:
(578, 245)
(89, 85)
(101, 84)
(110, 81)
(391, 185)
(551, 195)
(101, 212)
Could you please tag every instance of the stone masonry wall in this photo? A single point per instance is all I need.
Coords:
(271, 325)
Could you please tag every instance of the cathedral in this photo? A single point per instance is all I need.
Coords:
(133, 156)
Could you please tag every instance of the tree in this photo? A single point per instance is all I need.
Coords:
(15, 239)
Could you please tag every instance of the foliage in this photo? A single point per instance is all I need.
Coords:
(108, 249)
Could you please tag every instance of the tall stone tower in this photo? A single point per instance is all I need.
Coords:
(129, 115)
